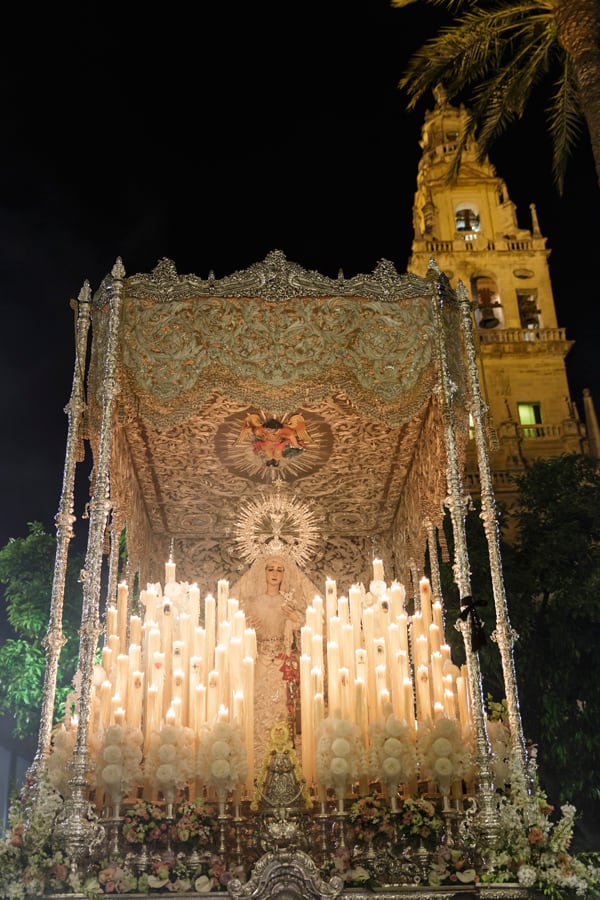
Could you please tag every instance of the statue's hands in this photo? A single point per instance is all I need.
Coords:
(292, 613)
(254, 622)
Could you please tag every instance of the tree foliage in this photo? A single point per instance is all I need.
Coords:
(26, 571)
(551, 571)
(555, 607)
(500, 56)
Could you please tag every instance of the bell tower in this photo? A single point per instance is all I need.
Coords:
(469, 227)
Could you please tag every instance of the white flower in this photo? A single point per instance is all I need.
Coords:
(112, 775)
(340, 756)
(221, 750)
(443, 754)
(527, 876)
(391, 767)
(339, 766)
(165, 773)
(395, 727)
(220, 769)
(442, 747)
(112, 754)
(169, 734)
(443, 767)
(341, 747)
(393, 747)
(222, 760)
(113, 735)
(392, 755)
(167, 753)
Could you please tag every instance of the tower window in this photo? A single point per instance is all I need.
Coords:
(528, 309)
(467, 217)
(530, 414)
(489, 308)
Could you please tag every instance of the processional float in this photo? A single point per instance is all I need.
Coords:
(381, 370)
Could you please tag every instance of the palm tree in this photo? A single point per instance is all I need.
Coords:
(494, 56)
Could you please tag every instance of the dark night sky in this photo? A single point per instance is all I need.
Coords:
(213, 134)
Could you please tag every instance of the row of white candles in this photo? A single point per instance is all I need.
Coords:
(355, 662)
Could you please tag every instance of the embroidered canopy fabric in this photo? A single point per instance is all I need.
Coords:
(202, 363)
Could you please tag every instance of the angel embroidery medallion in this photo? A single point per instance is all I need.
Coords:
(275, 439)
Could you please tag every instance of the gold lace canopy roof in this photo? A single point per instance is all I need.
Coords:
(354, 358)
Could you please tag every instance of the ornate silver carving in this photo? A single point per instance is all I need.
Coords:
(277, 523)
(286, 875)
(275, 279)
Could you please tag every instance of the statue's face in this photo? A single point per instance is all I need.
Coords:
(274, 571)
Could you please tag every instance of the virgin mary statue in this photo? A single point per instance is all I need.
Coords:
(274, 595)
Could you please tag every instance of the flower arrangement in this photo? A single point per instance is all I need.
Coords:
(392, 753)
(222, 762)
(112, 878)
(63, 742)
(340, 756)
(28, 863)
(118, 764)
(342, 865)
(420, 822)
(443, 754)
(370, 819)
(143, 822)
(194, 823)
(168, 873)
(452, 866)
(534, 849)
(170, 761)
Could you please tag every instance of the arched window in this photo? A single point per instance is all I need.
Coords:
(467, 217)
(489, 308)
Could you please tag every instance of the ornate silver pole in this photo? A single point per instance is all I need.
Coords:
(504, 635)
(434, 562)
(55, 640)
(81, 831)
(456, 504)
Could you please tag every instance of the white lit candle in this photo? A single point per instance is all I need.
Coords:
(318, 607)
(425, 597)
(397, 599)
(330, 599)
(111, 620)
(135, 630)
(135, 697)
(306, 634)
(307, 738)
(378, 574)
(169, 572)
(248, 667)
(222, 597)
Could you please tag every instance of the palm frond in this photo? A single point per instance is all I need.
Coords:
(502, 99)
(565, 121)
(476, 47)
(450, 5)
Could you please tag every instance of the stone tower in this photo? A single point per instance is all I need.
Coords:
(469, 227)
